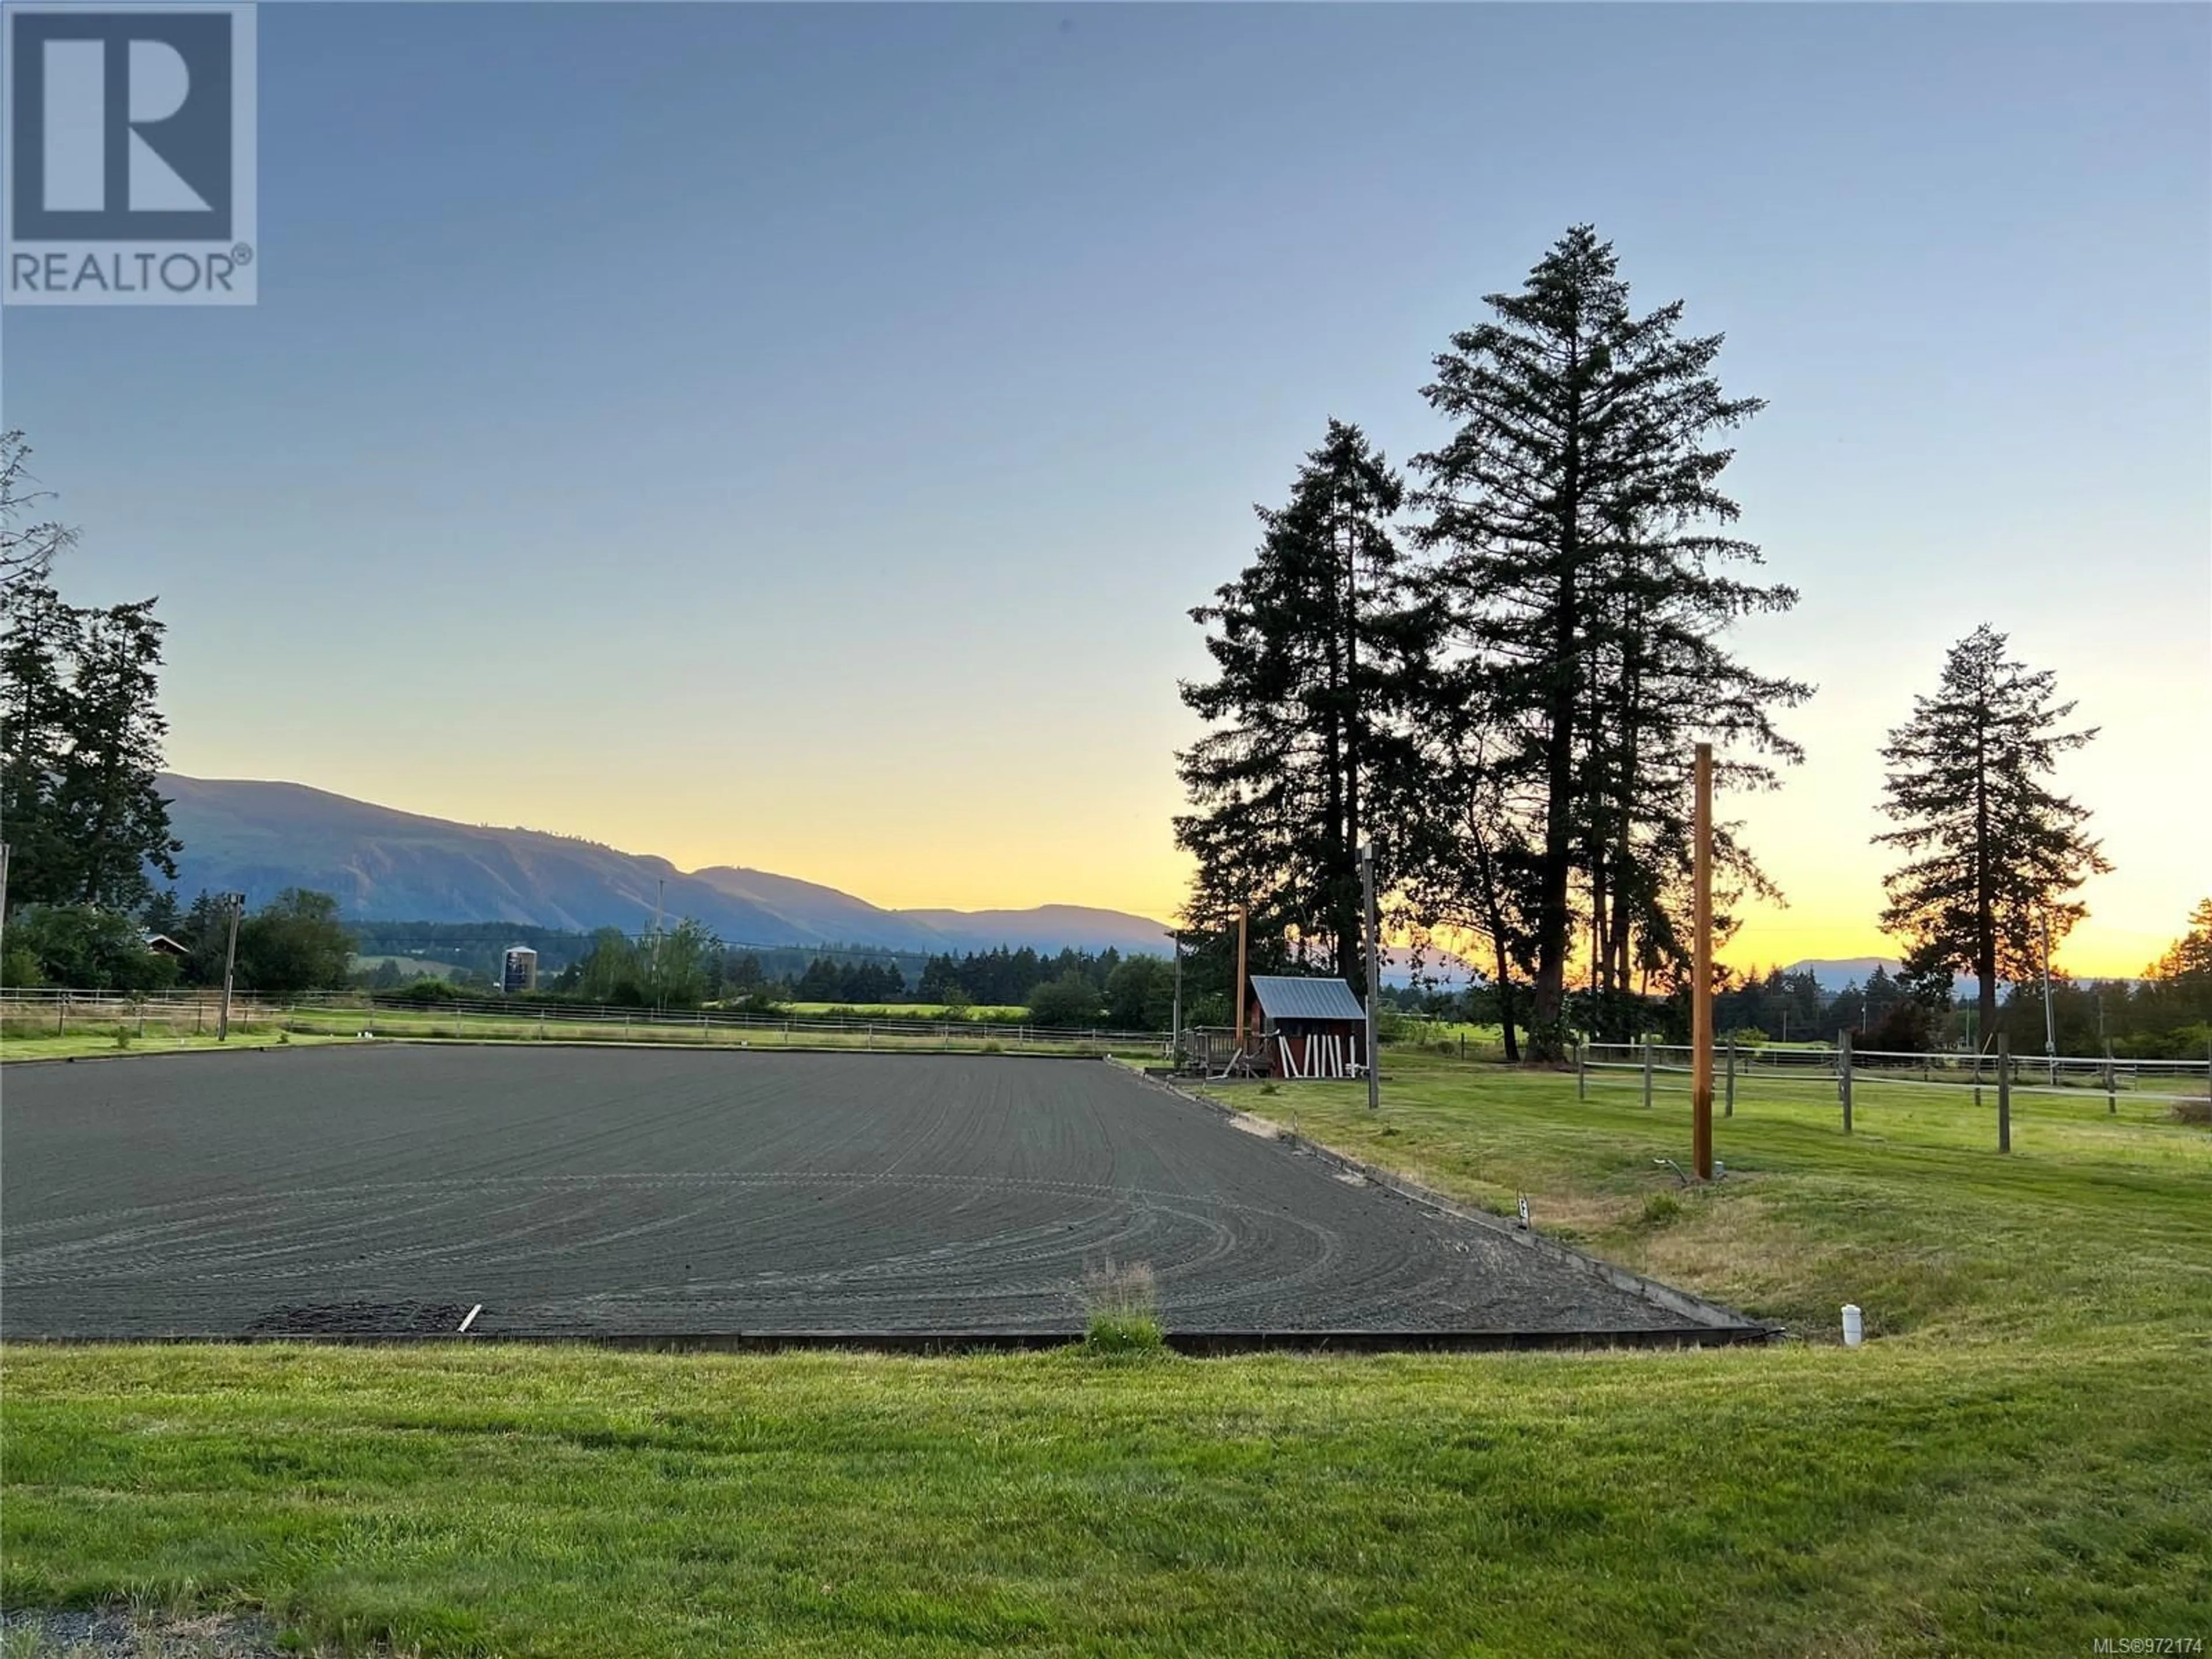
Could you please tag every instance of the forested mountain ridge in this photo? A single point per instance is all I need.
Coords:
(383, 864)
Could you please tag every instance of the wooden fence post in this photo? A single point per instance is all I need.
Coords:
(1844, 1075)
(1727, 1100)
(2004, 1092)
(1647, 1072)
(1582, 1068)
(2111, 1085)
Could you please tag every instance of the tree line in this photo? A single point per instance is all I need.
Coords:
(687, 968)
(293, 942)
(1494, 667)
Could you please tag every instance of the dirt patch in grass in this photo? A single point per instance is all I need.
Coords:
(125, 1632)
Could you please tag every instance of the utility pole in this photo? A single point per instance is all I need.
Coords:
(653, 961)
(1374, 972)
(1175, 1024)
(1244, 918)
(229, 966)
(1701, 975)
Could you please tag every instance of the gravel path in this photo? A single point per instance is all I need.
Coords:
(591, 1191)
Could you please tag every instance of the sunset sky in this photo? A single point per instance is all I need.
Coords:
(794, 438)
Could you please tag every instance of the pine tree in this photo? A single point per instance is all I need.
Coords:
(36, 649)
(1317, 647)
(2190, 956)
(81, 750)
(1578, 517)
(1662, 680)
(1992, 852)
(106, 791)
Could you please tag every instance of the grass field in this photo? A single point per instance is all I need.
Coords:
(28, 1035)
(414, 967)
(98, 1044)
(2018, 1462)
(1002, 1011)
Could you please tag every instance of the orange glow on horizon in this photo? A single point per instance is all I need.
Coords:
(1006, 839)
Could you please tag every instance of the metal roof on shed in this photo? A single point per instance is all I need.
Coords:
(1286, 996)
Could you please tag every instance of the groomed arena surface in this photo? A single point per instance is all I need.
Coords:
(641, 1194)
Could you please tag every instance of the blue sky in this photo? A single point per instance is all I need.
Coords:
(794, 437)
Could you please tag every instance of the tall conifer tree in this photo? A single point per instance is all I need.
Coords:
(81, 730)
(1578, 521)
(1316, 648)
(1992, 853)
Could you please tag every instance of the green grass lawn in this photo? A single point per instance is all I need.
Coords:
(1416, 1031)
(2020, 1461)
(98, 1044)
(182, 1027)
(988, 1011)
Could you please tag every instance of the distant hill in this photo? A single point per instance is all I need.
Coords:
(384, 864)
(1833, 975)
(1050, 926)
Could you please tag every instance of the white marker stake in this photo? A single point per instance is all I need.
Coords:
(471, 1319)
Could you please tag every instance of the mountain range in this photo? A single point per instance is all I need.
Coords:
(383, 865)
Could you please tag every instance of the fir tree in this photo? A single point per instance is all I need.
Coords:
(106, 793)
(2189, 957)
(1992, 852)
(1579, 522)
(1316, 648)
(81, 750)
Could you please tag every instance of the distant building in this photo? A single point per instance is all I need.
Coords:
(162, 945)
(518, 971)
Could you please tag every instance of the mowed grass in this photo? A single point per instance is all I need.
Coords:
(98, 1045)
(2096, 1221)
(179, 1030)
(978, 1011)
(2020, 1461)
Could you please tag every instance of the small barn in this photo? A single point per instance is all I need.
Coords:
(1306, 1027)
